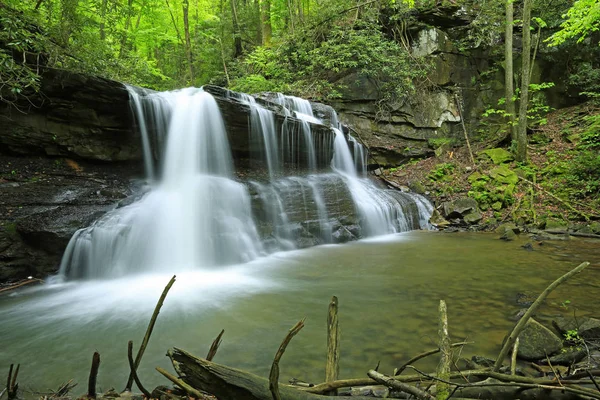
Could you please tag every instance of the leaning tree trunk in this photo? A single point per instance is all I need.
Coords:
(509, 90)
(521, 154)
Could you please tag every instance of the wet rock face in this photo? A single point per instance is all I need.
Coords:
(403, 131)
(76, 116)
(45, 202)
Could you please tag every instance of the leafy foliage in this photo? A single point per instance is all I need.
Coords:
(17, 44)
(582, 19)
(441, 171)
(310, 61)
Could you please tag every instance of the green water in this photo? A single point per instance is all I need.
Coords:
(388, 292)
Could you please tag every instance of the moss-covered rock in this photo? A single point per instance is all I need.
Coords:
(473, 217)
(503, 174)
(438, 221)
(556, 225)
(536, 342)
(459, 208)
(497, 156)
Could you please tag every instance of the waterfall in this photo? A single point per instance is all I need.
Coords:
(198, 214)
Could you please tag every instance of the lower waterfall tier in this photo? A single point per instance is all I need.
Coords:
(209, 221)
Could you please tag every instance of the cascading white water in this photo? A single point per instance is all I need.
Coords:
(360, 156)
(309, 145)
(342, 158)
(195, 215)
(263, 134)
(300, 106)
(380, 212)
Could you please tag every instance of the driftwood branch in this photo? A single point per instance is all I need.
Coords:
(403, 387)
(513, 360)
(332, 367)
(140, 353)
(93, 376)
(11, 383)
(443, 370)
(509, 381)
(215, 346)
(521, 324)
(274, 374)
(593, 380)
(425, 354)
(133, 370)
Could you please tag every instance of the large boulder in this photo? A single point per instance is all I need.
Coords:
(464, 209)
(536, 342)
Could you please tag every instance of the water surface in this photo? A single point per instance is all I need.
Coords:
(388, 290)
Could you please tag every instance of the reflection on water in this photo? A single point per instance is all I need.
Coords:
(388, 291)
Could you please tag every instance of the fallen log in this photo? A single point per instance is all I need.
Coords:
(228, 383)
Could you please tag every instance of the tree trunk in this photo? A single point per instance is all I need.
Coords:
(509, 90)
(237, 35)
(291, 15)
(174, 22)
(68, 14)
(188, 42)
(139, 17)
(103, 19)
(300, 11)
(521, 153)
(126, 29)
(267, 29)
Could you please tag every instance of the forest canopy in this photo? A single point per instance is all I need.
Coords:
(297, 46)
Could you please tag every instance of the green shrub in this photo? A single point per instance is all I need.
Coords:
(441, 172)
(584, 173)
(590, 138)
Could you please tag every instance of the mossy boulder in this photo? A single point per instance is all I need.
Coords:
(459, 208)
(503, 174)
(473, 217)
(438, 221)
(497, 156)
(556, 225)
(536, 342)
(476, 176)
